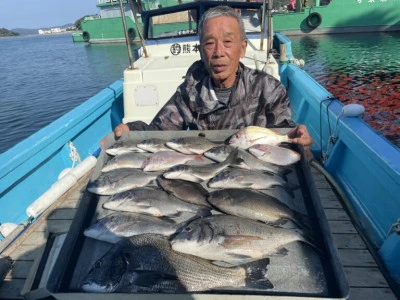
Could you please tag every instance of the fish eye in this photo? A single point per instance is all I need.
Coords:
(188, 229)
(98, 264)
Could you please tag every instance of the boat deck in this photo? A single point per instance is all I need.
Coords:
(365, 279)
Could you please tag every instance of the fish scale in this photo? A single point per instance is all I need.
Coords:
(147, 262)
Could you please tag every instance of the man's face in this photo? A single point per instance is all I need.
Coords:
(221, 49)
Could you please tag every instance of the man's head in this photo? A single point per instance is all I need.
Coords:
(222, 43)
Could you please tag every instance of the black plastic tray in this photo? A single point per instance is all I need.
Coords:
(302, 274)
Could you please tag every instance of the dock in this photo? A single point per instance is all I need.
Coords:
(365, 279)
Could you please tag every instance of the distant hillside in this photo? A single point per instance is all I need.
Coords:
(28, 31)
(6, 32)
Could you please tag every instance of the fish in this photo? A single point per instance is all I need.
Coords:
(251, 135)
(153, 145)
(185, 190)
(219, 153)
(122, 146)
(146, 263)
(235, 240)
(198, 174)
(164, 160)
(249, 162)
(126, 160)
(274, 154)
(120, 180)
(255, 205)
(152, 201)
(252, 179)
(191, 145)
(113, 227)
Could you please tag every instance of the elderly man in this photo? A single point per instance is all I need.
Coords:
(219, 92)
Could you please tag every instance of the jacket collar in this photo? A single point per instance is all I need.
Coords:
(196, 89)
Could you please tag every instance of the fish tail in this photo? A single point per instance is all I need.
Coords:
(232, 158)
(255, 274)
(289, 187)
(309, 238)
(284, 171)
(203, 211)
(303, 221)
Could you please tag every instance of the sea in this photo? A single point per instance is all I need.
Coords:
(42, 77)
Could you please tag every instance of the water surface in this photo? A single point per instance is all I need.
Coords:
(358, 68)
(44, 77)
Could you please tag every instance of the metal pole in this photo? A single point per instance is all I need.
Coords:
(128, 44)
(263, 25)
(138, 29)
(269, 45)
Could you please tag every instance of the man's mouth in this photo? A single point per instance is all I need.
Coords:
(218, 68)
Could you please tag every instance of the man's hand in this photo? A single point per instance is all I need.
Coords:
(118, 131)
(301, 136)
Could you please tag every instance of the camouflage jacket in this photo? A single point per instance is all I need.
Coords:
(256, 99)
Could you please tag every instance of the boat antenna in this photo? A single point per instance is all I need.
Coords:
(139, 30)
(126, 34)
(263, 25)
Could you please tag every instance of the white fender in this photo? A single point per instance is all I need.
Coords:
(60, 187)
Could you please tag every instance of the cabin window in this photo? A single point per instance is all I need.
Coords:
(251, 19)
(177, 24)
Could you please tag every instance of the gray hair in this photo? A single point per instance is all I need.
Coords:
(219, 11)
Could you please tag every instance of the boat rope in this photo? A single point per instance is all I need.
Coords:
(324, 154)
(394, 228)
(73, 154)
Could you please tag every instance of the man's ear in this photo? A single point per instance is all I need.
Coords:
(243, 49)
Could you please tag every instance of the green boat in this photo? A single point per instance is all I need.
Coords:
(336, 16)
(291, 17)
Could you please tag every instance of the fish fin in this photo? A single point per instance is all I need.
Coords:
(281, 252)
(304, 222)
(148, 278)
(199, 157)
(157, 281)
(292, 186)
(310, 239)
(238, 161)
(233, 157)
(284, 170)
(237, 240)
(278, 223)
(255, 274)
(223, 264)
(166, 219)
(203, 212)
(289, 187)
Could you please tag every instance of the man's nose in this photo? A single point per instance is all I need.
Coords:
(219, 49)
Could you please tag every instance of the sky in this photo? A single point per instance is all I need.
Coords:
(33, 14)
